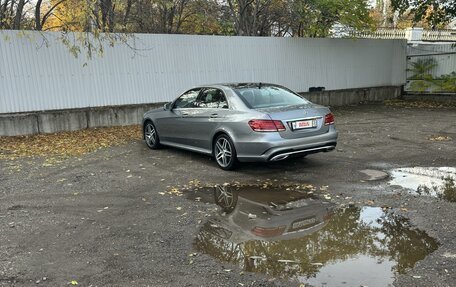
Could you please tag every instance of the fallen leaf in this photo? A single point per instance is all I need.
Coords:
(61, 145)
(440, 138)
(418, 104)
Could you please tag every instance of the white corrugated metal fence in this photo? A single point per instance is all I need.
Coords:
(35, 77)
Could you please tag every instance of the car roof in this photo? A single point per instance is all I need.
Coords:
(237, 85)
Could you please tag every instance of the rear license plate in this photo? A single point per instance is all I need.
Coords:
(303, 223)
(297, 125)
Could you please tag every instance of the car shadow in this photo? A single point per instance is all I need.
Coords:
(309, 163)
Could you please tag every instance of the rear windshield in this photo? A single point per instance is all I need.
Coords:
(268, 97)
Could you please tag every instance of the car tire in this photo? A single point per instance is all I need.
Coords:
(225, 152)
(151, 135)
(225, 197)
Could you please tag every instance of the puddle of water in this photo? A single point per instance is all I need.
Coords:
(433, 181)
(291, 234)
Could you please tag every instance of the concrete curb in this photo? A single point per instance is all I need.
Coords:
(353, 96)
(71, 120)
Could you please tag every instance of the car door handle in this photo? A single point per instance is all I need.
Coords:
(184, 114)
(214, 115)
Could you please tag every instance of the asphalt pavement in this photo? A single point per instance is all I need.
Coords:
(120, 216)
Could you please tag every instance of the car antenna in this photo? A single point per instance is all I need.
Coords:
(259, 85)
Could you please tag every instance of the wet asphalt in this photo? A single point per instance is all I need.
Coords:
(116, 217)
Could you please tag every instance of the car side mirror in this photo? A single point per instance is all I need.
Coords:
(167, 106)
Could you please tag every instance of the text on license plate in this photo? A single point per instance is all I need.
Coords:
(303, 223)
(304, 124)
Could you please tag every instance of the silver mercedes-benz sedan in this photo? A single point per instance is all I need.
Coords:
(242, 122)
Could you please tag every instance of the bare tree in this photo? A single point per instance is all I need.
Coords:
(247, 16)
(40, 21)
(127, 12)
(107, 15)
(18, 15)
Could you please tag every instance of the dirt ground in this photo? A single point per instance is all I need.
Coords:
(106, 219)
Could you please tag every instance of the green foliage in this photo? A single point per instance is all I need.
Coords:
(390, 237)
(446, 192)
(421, 69)
(446, 83)
(422, 79)
(421, 76)
(449, 190)
(420, 85)
(434, 12)
(315, 18)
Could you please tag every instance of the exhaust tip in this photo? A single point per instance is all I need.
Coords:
(279, 157)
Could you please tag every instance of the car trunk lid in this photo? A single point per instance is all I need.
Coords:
(300, 121)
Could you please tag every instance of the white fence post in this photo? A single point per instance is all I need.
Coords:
(414, 34)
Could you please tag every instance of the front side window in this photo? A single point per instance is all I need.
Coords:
(268, 97)
(187, 100)
(212, 98)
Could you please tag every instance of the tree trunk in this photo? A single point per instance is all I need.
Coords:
(3, 8)
(38, 26)
(18, 15)
(127, 12)
(107, 15)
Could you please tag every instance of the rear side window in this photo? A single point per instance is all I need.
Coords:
(212, 98)
(268, 97)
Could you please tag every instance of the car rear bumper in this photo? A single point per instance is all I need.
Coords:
(272, 147)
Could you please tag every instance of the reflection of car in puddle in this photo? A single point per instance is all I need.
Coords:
(271, 216)
(291, 234)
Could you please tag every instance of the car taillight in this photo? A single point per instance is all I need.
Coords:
(329, 119)
(267, 125)
(268, 232)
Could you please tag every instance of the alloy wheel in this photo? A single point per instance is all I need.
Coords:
(150, 135)
(225, 197)
(223, 152)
